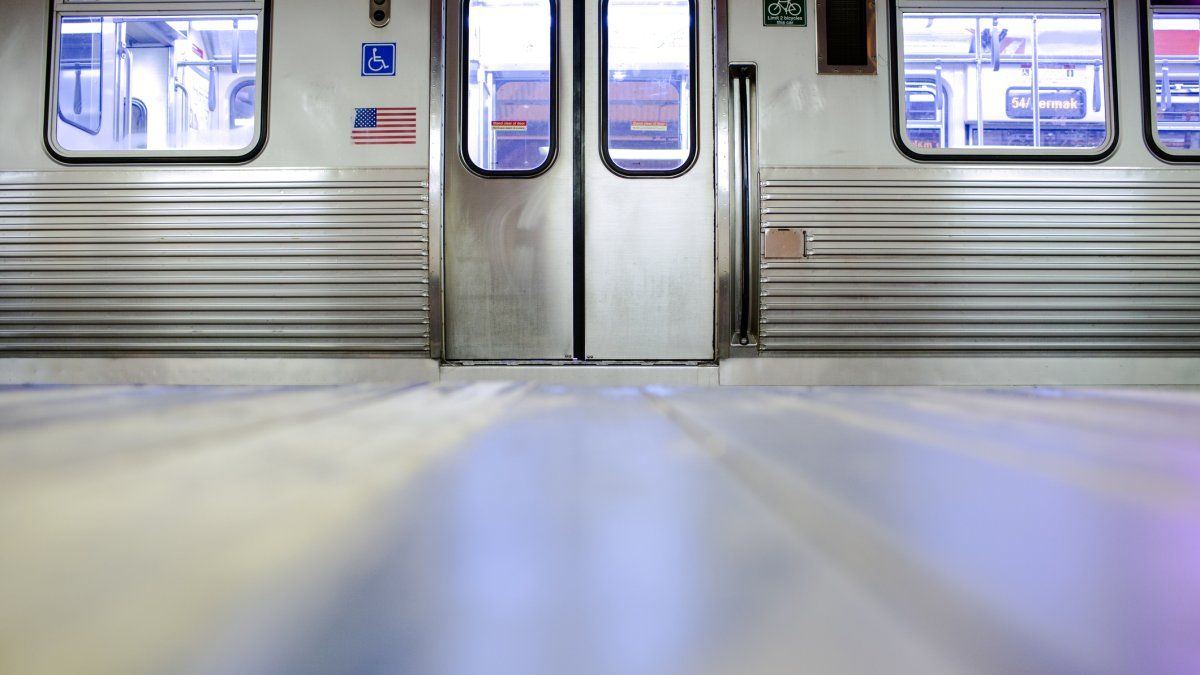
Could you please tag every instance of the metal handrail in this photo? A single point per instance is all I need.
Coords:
(237, 48)
(181, 131)
(117, 107)
(1177, 61)
(127, 110)
(742, 89)
(1018, 59)
(208, 63)
(1035, 90)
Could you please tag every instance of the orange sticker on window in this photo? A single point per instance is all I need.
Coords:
(647, 126)
(510, 125)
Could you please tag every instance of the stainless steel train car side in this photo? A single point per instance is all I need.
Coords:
(779, 223)
(313, 247)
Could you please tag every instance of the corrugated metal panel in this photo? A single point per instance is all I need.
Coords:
(223, 260)
(983, 259)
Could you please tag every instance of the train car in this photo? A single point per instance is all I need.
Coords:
(945, 191)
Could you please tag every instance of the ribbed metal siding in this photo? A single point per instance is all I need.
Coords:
(983, 260)
(226, 260)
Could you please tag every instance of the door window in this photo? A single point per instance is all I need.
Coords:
(648, 107)
(509, 83)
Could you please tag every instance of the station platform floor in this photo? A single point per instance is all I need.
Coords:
(523, 529)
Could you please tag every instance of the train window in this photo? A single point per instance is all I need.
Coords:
(648, 99)
(509, 125)
(174, 86)
(1175, 39)
(1004, 83)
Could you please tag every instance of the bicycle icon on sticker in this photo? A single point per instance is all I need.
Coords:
(378, 59)
(784, 13)
(785, 6)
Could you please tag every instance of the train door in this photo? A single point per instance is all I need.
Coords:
(579, 198)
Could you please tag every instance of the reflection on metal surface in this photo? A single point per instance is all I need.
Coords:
(982, 259)
(437, 179)
(724, 181)
(269, 261)
(500, 528)
(507, 240)
(743, 237)
(649, 251)
(650, 242)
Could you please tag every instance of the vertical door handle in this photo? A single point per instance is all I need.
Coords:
(742, 80)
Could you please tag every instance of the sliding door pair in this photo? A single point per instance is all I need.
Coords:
(579, 180)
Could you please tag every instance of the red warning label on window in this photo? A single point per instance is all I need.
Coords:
(647, 126)
(510, 125)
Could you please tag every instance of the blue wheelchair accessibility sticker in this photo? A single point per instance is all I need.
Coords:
(378, 59)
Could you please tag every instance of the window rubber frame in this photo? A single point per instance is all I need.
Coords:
(693, 112)
(51, 107)
(898, 132)
(465, 99)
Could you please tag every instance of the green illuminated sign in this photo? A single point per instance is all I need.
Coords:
(784, 13)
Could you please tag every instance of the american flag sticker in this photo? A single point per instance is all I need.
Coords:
(384, 126)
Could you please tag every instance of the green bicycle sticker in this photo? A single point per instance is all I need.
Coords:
(784, 13)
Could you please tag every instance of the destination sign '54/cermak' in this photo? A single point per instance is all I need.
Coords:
(1057, 103)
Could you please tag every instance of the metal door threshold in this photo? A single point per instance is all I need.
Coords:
(609, 374)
